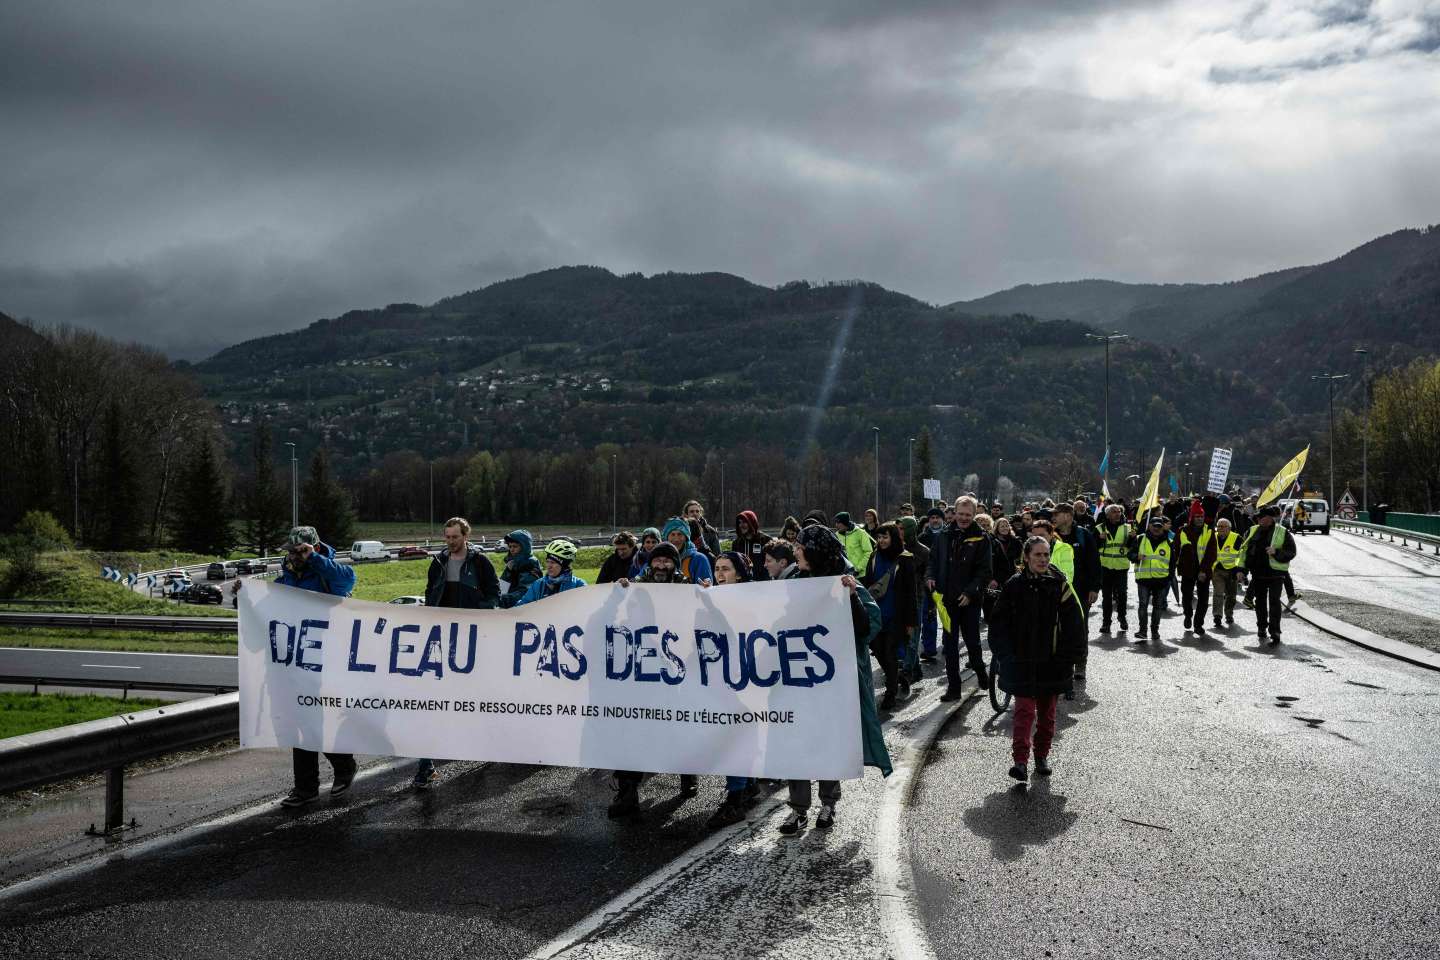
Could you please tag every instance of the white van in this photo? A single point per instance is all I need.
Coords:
(362, 550)
(1317, 510)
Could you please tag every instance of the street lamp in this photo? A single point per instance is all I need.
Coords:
(910, 460)
(877, 468)
(432, 498)
(998, 461)
(614, 495)
(1330, 379)
(723, 514)
(1365, 442)
(1107, 340)
(294, 486)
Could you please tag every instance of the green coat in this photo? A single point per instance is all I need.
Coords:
(858, 547)
(872, 737)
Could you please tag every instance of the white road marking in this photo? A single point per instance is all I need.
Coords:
(110, 666)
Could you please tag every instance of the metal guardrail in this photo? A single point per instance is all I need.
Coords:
(39, 603)
(104, 621)
(1393, 533)
(107, 745)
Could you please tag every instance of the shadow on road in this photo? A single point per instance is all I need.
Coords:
(1017, 818)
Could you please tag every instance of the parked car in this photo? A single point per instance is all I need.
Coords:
(409, 600)
(412, 553)
(201, 593)
(362, 550)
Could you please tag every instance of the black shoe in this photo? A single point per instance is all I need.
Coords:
(982, 677)
(1141, 636)
(927, 658)
(825, 819)
(1124, 626)
(625, 804)
(887, 702)
(689, 785)
(904, 686)
(731, 811)
(1018, 772)
(950, 694)
(1199, 630)
(1187, 623)
(1042, 767)
(794, 823)
(297, 799)
(751, 794)
(1105, 630)
(1080, 675)
(341, 785)
(1274, 639)
(1229, 623)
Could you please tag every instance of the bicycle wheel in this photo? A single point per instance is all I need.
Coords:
(999, 699)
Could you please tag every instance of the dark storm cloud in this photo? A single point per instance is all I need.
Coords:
(193, 174)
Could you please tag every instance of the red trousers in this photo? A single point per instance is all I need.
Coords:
(1035, 714)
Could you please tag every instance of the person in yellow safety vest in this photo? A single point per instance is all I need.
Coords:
(1154, 557)
(1226, 572)
(1300, 518)
(1194, 559)
(1268, 552)
(1116, 543)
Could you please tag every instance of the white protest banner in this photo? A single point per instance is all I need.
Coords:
(1219, 469)
(930, 488)
(753, 680)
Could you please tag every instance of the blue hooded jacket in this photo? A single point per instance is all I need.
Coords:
(545, 587)
(521, 570)
(321, 573)
(694, 564)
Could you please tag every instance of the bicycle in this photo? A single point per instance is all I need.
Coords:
(999, 699)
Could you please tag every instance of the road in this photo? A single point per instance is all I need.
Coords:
(1210, 799)
(145, 671)
(1369, 570)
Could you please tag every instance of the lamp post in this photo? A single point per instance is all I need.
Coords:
(294, 487)
(1365, 441)
(614, 495)
(723, 514)
(432, 498)
(877, 468)
(1329, 379)
(1107, 340)
(998, 461)
(910, 461)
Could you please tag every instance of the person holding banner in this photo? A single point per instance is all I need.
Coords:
(1037, 634)
(740, 792)
(559, 555)
(310, 564)
(819, 553)
(461, 577)
(521, 568)
(1268, 553)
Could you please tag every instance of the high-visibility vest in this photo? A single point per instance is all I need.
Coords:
(1229, 552)
(1277, 540)
(1201, 542)
(1154, 560)
(1062, 556)
(1115, 548)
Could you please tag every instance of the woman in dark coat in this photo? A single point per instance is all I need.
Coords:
(1037, 633)
(890, 578)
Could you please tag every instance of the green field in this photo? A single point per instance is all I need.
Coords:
(402, 578)
(134, 641)
(28, 712)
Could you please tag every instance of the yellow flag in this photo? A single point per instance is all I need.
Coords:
(1151, 499)
(1285, 479)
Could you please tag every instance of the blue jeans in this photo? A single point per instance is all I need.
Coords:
(736, 784)
(928, 624)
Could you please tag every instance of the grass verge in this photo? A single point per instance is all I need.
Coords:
(28, 712)
(128, 641)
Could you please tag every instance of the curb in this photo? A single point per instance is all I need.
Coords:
(1361, 637)
(894, 879)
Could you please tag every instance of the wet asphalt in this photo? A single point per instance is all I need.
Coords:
(1210, 798)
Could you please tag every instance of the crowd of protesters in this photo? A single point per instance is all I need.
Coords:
(921, 588)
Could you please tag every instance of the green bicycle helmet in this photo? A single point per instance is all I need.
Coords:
(562, 551)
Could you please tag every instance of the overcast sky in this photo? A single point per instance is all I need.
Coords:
(191, 174)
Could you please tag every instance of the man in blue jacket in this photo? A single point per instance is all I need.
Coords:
(310, 564)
